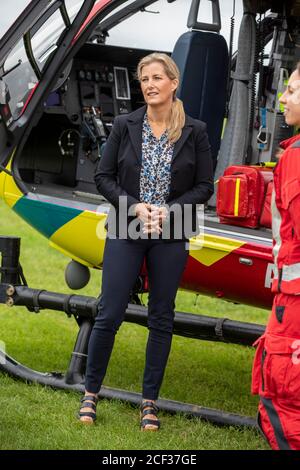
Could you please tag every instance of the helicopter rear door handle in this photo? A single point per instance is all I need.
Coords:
(246, 261)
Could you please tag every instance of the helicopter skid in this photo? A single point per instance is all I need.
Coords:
(84, 309)
(56, 380)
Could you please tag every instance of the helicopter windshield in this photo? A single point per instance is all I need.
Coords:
(25, 63)
(9, 14)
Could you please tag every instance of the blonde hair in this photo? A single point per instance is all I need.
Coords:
(177, 116)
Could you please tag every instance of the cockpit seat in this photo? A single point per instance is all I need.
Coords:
(202, 58)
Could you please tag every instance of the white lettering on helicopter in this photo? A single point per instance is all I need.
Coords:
(269, 275)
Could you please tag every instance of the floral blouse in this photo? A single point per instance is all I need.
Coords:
(155, 176)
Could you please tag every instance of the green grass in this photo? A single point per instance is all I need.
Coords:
(206, 373)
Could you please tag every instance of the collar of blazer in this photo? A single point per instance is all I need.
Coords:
(135, 128)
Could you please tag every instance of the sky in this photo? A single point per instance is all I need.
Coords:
(160, 31)
(155, 31)
(10, 11)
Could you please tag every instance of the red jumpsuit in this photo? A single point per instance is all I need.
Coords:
(276, 367)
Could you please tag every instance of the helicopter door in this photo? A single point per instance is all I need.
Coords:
(35, 44)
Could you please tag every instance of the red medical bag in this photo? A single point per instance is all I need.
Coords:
(241, 194)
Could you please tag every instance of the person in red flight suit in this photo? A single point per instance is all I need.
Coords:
(276, 367)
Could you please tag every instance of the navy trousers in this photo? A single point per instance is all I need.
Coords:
(122, 263)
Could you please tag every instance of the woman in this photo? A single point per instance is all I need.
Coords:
(156, 160)
(276, 368)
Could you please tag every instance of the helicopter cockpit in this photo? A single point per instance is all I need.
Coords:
(97, 85)
(80, 114)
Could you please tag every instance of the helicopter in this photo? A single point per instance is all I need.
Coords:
(62, 84)
(49, 177)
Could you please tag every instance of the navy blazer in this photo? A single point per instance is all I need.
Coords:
(118, 171)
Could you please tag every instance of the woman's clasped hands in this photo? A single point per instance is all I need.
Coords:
(151, 216)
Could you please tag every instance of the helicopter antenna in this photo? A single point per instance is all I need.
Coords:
(144, 10)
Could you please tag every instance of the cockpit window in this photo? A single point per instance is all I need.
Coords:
(19, 77)
(73, 7)
(24, 65)
(155, 27)
(158, 26)
(45, 40)
(9, 14)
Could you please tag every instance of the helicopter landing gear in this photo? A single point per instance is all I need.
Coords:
(84, 310)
